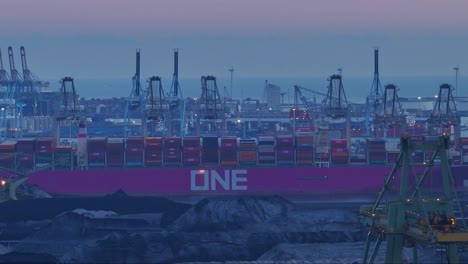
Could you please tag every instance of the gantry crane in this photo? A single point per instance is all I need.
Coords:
(374, 99)
(28, 92)
(176, 101)
(389, 113)
(156, 105)
(30, 81)
(412, 215)
(211, 107)
(310, 108)
(10, 108)
(335, 104)
(445, 114)
(4, 76)
(134, 103)
(70, 108)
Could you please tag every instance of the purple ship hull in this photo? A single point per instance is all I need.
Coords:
(215, 181)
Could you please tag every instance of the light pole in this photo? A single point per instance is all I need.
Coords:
(456, 80)
(294, 121)
(232, 73)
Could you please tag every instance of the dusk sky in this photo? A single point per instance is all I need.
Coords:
(98, 38)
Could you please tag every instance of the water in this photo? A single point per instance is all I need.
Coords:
(356, 88)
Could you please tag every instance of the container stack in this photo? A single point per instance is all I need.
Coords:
(358, 151)
(285, 150)
(248, 152)
(191, 151)
(210, 151)
(64, 157)
(97, 148)
(115, 152)
(418, 155)
(431, 140)
(454, 157)
(26, 148)
(172, 151)
(464, 150)
(7, 154)
(394, 132)
(376, 154)
(305, 150)
(228, 151)
(339, 151)
(392, 147)
(266, 151)
(45, 148)
(135, 151)
(153, 151)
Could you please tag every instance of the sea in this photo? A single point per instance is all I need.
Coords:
(356, 88)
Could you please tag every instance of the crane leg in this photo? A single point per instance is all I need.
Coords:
(376, 248)
(366, 250)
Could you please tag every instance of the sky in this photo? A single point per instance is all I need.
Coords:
(97, 39)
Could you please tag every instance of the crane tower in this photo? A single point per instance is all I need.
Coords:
(211, 108)
(156, 105)
(389, 113)
(445, 116)
(134, 102)
(375, 96)
(176, 102)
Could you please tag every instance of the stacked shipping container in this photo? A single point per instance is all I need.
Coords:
(247, 152)
(210, 151)
(172, 151)
(266, 151)
(134, 151)
(44, 153)
(115, 152)
(305, 150)
(376, 154)
(392, 146)
(417, 156)
(7, 154)
(228, 151)
(64, 157)
(26, 147)
(339, 151)
(464, 150)
(97, 150)
(191, 151)
(431, 140)
(153, 151)
(224, 151)
(285, 150)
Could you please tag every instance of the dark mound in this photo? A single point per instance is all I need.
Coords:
(228, 213)
(26, 258)
(40, 209)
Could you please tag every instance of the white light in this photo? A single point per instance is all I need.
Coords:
(436, 96)
(238, 120)
(419, 97)
(3, 182)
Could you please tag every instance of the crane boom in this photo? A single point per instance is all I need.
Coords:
(15, 77)
(3, 73)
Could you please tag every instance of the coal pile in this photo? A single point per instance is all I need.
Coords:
(251, 229)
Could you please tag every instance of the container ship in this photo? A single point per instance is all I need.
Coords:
(209, 165)
(164, 144)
